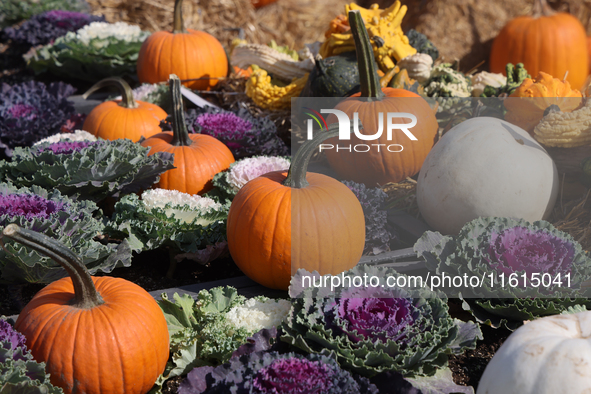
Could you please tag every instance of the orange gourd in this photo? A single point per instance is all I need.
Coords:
(283, 221)
(125, 118)
(95, 334)
(261, 3)
(527, 104)
(548, 41)
(384, 164)
(188, 53)
(197, 157)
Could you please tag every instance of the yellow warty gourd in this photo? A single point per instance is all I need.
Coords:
(268, 96)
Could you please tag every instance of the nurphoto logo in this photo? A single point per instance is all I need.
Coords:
(345, 130)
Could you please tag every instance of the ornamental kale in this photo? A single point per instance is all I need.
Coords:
(377, 236)
(244, 134)
(376, 329)
(43, 28)
(70, 222)
(14, 11)
(88, 170)
(30, 111)
(274, 373)
(96, 51)
(19, 373)
(536, 270)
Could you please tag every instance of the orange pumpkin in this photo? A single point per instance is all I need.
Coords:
(125, 118)
(548, 41)
(387, 163)
(283, 221)
(527, 104)
(96, 335)
(197, 157)
(190, 54)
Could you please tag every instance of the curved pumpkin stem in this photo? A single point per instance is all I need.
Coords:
(180, 134)
(177, 23)
(541, 8)
(296, 176)
(85, 294)
(368, 70)
(127, 100)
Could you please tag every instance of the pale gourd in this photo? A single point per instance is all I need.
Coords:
(546, 356)
(485, 167)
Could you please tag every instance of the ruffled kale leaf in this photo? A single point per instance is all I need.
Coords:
(377, 236)
(87, 170)
(241, 132)
(277, 373)
(14, 11)
(31, 111)
(43, 28)
(509, 250)
(55, 215)
(376, 328)
(19, 372)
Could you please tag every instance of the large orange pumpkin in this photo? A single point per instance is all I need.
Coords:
(96, 335)
(197, 157)
(548, 41)
(385, 163)
(188, 53)
(125, 118)
(283, 221)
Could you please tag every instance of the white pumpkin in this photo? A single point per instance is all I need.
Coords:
(551, 355)
(485, 167)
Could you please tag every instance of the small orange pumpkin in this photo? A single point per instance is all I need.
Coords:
(125, 118)
(283, 221)
(188, 53)
(548, 41)
(378, 167)
(95, 334)
(527, 104)
(197, 157)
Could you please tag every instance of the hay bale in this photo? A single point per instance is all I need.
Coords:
(291, 22)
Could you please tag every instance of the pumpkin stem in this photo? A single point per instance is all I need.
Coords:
(296, 176)
(180, 134)
(366, 62)
(541, 8)
(127, 100)
(177, 23)
(85, 294)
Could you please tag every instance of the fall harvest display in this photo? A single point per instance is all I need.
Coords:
(294, 196)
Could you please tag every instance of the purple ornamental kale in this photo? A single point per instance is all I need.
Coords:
(377, 236)
(30, 206)
(67, 147)
(9, 334)
(31, 111)
(44, 28)
(520, 249)
(242, 133)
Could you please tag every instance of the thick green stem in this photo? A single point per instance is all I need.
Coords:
(296, 176)
(85, 294)
(368, 70)
(127, 100)
(180, 134)
(177, 23)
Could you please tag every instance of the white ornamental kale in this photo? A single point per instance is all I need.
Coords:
(104, 30)
(77, 135)
(189, 224)
(257, 314)
(512, 253)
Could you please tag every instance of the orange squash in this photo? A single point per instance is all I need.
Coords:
(283, 221)
(548, 41)
(385, 163)
(95, 334)
(527, 104)
(125, 118)
(188, 53)
(197, 157)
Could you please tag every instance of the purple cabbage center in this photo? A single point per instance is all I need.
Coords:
(294, 375)
(224, 126)
(29, 206)
(376, 318)
(521, 249)
(23, 111)
(66, 147)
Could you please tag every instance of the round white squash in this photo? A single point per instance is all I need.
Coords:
(550, 355)
(485, 167)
